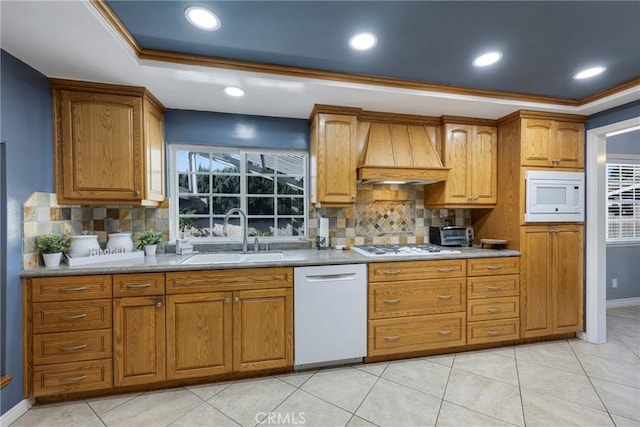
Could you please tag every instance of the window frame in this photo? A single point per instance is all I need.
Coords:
(173, 177)
(615, 158)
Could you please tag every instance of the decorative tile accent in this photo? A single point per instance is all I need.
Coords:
(384, 214)
(42, 215)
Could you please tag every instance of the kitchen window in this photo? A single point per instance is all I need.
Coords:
(623, 200)
(269, 186)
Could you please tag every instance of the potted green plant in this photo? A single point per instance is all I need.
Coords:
(51, 246)
(150, 240)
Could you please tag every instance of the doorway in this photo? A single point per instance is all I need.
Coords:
(595, 239)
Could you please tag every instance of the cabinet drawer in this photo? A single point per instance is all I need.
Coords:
(493, 286)
(493, 308)
(493, 266)
(71, 346)
(412, 298)
(416, 270)
(388, 336)
(72, 377)
(493, 331)
(70, 288)
(125, 285)
(229, 280)
(71, 316)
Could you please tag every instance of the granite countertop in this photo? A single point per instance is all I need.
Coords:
(293, 258)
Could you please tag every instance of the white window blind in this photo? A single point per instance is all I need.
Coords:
(623, 202)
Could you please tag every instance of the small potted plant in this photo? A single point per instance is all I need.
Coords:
(51, 246)
(150, 240)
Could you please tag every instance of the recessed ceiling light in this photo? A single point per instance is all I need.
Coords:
(362, 41)
(202, 18)
(590, 72)
(233, 91)
(487, 59)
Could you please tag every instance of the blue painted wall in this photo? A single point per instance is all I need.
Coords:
(25, 125)
(235, 130)
(614, 115)
(622, 261)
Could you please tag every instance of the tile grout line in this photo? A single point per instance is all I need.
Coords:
(367, 395)
(92, 410)
(593, 386)
(524, 416)
(444, 392)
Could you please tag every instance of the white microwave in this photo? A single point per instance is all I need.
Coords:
(554, 196)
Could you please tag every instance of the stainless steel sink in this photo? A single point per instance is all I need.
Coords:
(235, 258)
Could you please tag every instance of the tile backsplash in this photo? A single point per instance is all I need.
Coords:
(384, 214)
(43, 215)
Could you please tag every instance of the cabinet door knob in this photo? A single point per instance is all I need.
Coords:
(236, 299)
(226, 300)
(158, 302)
(136, 192)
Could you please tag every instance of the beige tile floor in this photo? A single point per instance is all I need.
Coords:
(560, 383)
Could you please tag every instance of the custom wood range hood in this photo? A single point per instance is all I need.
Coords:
(399, 149)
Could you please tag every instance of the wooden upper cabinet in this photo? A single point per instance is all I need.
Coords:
(551, 143)
(109, 144)
(471, 153)
(333, 159)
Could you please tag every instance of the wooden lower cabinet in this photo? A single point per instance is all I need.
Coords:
(416, 333)
(552, 279)
(262, 329)
(199, 334)
(139, 340)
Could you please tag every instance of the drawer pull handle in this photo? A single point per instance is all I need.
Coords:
(391, 271)
(493, 310)
(494, 267)
(494, 333)
(78, 289)
(134, 286)
(449, 332)
(395, 338)
(72, 379)
(392, 301)
(494, 288)
(74, 348)
(445, 296)
(73, 317)
(445, 269)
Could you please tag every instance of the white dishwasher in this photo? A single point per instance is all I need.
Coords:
(330, 314)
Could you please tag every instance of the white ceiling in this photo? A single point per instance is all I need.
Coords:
(70, 39)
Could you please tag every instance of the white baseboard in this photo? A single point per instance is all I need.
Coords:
(623, 302)
(16, 412)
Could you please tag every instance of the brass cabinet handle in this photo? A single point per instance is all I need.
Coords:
(78, 289)
(226, 300)
(494, 333)
(72, 379)
(134, 286)
(556, 161)
(74, 348)
(392, 301)
(445, 296)
(449, 332)
(445, 269)
(470, 198)
(494, 288)
(73, 317)
(494, 267)
(395, 338)
(236, 299)
(475, 198)
(391, 271)
(493, 310)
